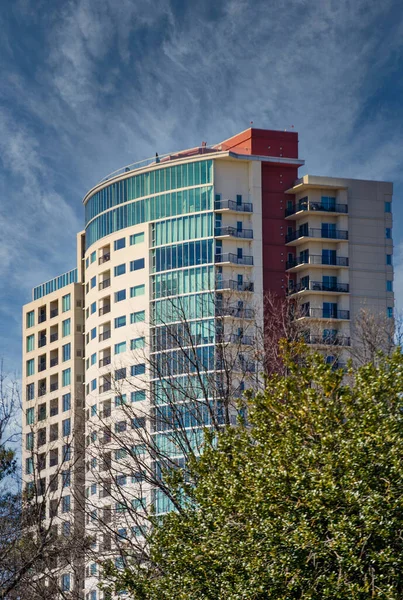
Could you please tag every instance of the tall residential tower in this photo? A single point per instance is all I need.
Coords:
(198, 229)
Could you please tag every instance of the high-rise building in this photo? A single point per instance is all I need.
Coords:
(200, 234)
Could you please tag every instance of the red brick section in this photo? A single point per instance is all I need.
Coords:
(276, 178)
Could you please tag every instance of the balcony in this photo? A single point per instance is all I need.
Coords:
(235, 311)
(104, 284)
(41, 390)
(317, 207)
(327, 340)
(42, 341)
(42, 318)
(319, 286)
(246, 234)
(104, 310)
(41, 367)
(54, 386)
(234, 338)
(246, 261)
(231, 205)
(105, 387)
(54, 313)
(105, 335)
(104, 258)
(236, 286)
(54, 362)
(104, 361)
(324, 234)
(312, 259)
(54, 337)
(319, 313)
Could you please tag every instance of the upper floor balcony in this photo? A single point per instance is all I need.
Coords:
(236, 312)
(230, 257)
(322, 313)
(323, 233)
(327, 340)
(228, 231)
(319, 286)
(232, 206)
(317, 260)
(306, 205)
(235, 286)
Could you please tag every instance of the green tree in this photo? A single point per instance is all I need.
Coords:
(303, 502)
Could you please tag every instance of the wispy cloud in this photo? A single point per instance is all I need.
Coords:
(91, 86)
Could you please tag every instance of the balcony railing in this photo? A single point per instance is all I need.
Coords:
(233, 338)
(327, 340)
(338, 234)
(235, 311)
(317, 206)
(41, 390)
(104, 258)
(54, 337)
(234, 232)
(54, 386)
(42, 341)
(245, 366)
(105, 387)
(106, 360)
(105, 335)
(42, 318)
(104, 310)
(54, 362)
(234, 258)
(104, 284)
(312, 259)
(42, 367)
(54, 313)
(319, 313)
(319, 286)
(236, 286)
(232, 205)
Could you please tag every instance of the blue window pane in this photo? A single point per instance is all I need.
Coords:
(93, 333)
(93, 307)
(66, 401)
(119, 244)
(66, 377)
(120, 321)
(66, 427)
(93, 385)
(135, 265)
(93, 358)
(66, 352)
(66, 303)
(66, 325)
(138, 369)
(120, 270)
(388, 207)
(93, 282)
(121, 347)
(120, 295)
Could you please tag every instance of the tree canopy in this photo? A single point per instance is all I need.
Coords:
(305, 501)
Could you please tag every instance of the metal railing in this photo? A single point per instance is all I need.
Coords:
(234, 338)
(54, 386)
(104, 309)
(316, 206)
(54, 313)
(54, 362)
(104, 284)
(105, 387)
(104, 258)
(42, 341)
(105, 335)
(319, 286)
(338, 234)
(42, 318)
(232, 205)
(234, 258)
(234, 232)
(236, 286)
(104, 361)
(317, 259)
(54, 337)
(327, 340)
(319, 313)
(234, 311)
(41, 367)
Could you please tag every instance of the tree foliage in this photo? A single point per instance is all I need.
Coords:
(305, 501)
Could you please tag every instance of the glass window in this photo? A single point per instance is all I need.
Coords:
(137, 290)
(121, 347)
(389, 286)
(66, 478)
(120, 295)
(120, 321)
(30, 416)
(93, 257)
(66, 352)
(30, 367)
(93, 358)
(30, 318)
(93, 307)
(30, 343)
(137, 343)
(66, 302)
(138, 317)
(388, 233)
(66, 401)
(93, 410)
(119, 244)
(138, 395)
(139, 369)
(66, 377)
(388, 259)
(120, 400)
(135, 265)
(93, 282)
(30, 391)
(389, 312)
(87, 262)
(29, 466)
(120, 270)
(66, 452)
(66, 427)
(93, 333)
(66, 327)
(93, 385)
(65, 583)
(136, 238)
(388, 207)
(66, 503)
(120, 373)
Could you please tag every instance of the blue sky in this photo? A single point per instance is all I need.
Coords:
(88, 86)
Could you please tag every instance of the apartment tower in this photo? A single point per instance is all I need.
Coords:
(232, 221)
